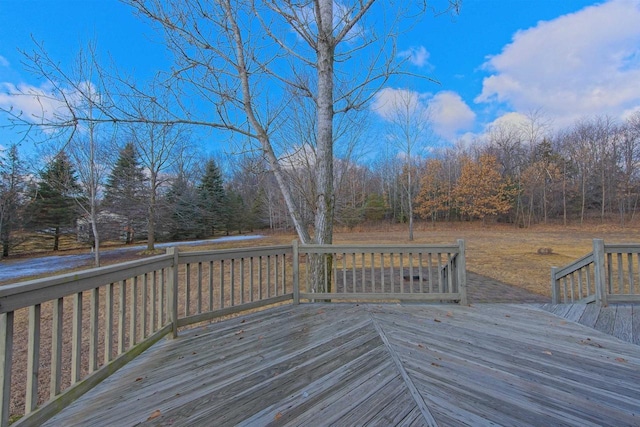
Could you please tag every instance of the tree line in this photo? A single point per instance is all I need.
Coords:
(520, 174)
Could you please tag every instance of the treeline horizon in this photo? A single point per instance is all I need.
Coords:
(518, 174)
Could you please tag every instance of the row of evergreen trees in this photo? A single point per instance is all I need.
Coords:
(52, 203)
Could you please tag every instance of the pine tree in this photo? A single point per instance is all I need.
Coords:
(183, 211)
(54, 203)
(212, 200)
(124, 191)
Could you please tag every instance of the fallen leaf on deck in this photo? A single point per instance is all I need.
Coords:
(436, 320)
(548, 352)
(420, 345)
(139, 379)
(591, 343)
(435, 364)
(241, 331)
(620, 359)
(278, 416)
(449, 314)
(243, 320)
(155, 414)
(507, 315)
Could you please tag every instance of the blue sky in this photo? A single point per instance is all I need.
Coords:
(496, 61)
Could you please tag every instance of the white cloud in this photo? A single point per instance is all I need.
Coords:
(4, 62)
(580, 64)
(33, 104)
(418, 56)
(448, 113)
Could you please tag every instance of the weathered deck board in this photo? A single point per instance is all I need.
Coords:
(346, 364)
(620, 320)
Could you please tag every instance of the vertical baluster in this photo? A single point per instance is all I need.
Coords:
(210, 285)
(353, 271)
(133, 315)
(251, 273)
(33, 359)
(260, 277)
(283, 276)
(6, 356)
(144, 305)
(572, 281)
(382, 272)
(373, 276)
(588, 273)
(108, 323)
(564, 290)
(94, 329)
(268, 276)
(430, 271)
(580, 296)
(630, 273)
(401, 273)
(161, 299)
(242, 280)
(222, 283)
(620, 274)
(199, 288)
(154, 301)
(232, 281)
(187, 296)
(56, 347)
(122, 317)
(363, 279)
(76, 340)
(275, 275)
(393, 280)
(420, 272)
(440, 284)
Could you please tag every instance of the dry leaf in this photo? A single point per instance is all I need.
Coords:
(278, 416)
(241, 331)
(548, 352)
(435, 364)
(449, 314)
(620, 359)
(420, 345)
(155, 414)
(436, 320)
(507, 315)
(139, 379)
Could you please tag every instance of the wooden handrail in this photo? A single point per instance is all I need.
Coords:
(609, 273)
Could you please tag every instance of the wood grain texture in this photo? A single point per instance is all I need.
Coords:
(350, 364)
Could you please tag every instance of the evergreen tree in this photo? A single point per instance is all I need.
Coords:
(212, 200)
(125, 191)
(54, 203)
(183, 211)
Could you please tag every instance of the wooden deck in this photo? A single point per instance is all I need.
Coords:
(347, 364)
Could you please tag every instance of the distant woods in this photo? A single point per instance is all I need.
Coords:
(589, 170)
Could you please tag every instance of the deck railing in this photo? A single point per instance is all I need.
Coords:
(609, 274)
(102, 318)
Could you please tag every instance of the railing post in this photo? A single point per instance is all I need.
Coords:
(461, 268)
(600, 271)
(555, 286)
(296, 272)
(6, 355)
(172, 292)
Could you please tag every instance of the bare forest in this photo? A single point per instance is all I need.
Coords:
(585, 172)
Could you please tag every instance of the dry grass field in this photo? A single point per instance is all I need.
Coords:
(499, 251)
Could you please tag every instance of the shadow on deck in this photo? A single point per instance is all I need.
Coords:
(349, 364)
